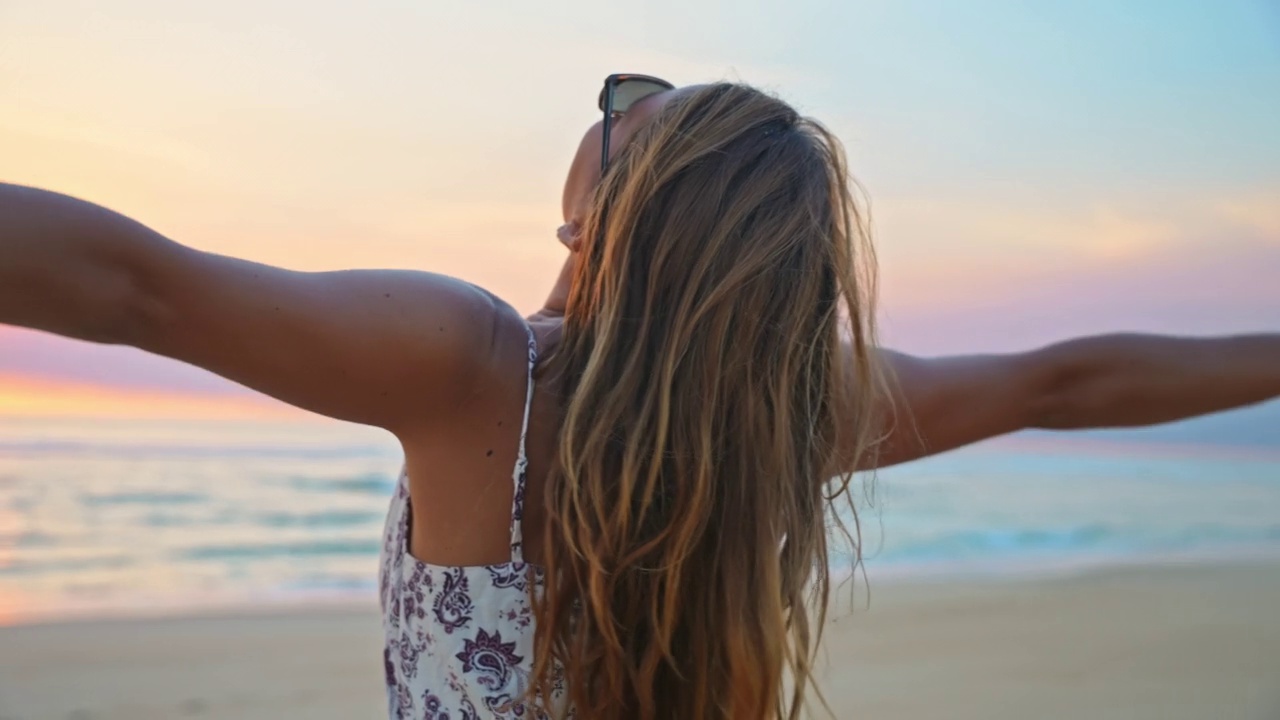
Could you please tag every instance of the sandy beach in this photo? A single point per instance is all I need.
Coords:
(1147, 642)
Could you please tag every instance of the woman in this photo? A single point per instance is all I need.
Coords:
(674, 415)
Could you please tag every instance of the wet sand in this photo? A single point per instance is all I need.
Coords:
(1132, 643)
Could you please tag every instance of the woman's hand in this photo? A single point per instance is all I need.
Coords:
(569, 235)
(579, 187)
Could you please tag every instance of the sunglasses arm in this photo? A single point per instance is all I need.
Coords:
(607, 130)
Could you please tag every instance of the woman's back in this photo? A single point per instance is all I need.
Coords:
(461, 469)
(456, 601)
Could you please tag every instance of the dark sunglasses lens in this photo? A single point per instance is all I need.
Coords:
(630, 92)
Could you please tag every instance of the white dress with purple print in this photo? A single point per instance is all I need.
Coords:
(459, 640)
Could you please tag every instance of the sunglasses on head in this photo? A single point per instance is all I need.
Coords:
(620, 92)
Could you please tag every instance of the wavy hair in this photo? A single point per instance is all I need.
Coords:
(718, 388)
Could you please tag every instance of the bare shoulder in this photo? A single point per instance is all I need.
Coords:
(397, 349)
(511, 335)
(501, 362)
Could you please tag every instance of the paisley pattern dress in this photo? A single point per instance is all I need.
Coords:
(459, 640)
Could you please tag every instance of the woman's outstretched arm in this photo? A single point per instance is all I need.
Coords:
(395, 349)
(1106, 381)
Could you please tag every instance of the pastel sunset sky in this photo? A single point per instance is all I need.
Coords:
(1036, 170)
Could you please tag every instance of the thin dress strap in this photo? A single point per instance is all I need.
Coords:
(522, 459)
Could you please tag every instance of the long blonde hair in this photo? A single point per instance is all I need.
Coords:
(715, 359)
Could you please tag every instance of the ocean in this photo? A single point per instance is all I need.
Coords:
(123, 517)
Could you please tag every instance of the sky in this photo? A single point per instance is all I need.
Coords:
(1035, 170)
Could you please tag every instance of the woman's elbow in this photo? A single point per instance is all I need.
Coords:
(1076, 388)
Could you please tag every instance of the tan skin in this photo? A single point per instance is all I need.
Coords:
(441, 364)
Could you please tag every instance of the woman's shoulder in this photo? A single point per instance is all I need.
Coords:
(516, 340)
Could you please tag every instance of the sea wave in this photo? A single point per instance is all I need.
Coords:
(1092, 539)
(319, 520)
(143, 497)
(304, 548)
(66, 565)
(371, 483)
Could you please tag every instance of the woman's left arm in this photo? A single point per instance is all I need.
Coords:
(395, 349)
(1104, 381)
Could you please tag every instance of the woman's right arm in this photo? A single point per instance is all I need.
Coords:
(395, 349)
(1106, 381)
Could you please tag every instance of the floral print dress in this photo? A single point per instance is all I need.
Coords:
(459, 640)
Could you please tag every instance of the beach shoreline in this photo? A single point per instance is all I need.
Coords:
(1133, 641)
(892, 575)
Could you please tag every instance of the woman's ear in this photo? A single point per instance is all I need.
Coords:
(570, 234)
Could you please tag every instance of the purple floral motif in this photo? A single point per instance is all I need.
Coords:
(503, 704)
(517, 501)
(413, 596)
(404, 701)
(384, 583)
(468, 711)
(525, 618)
(419, 581)
(453, 604)
(408, 657)
(522, 460)
(489, 658)
(557, 681)
(520, 616)
(433, 709)
(388, 668)
(508, 576)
